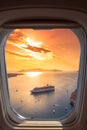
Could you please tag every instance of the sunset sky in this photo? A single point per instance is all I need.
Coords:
(44, 49)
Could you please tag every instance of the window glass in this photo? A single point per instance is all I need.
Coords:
(42, 68)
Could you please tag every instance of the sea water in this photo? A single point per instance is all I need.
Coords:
(50, 105)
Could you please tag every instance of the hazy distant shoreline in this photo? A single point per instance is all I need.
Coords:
(22, 72)
(40, 70)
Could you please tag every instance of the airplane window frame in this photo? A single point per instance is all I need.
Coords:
(4, 33)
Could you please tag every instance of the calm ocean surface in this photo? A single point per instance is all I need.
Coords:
(41, 106)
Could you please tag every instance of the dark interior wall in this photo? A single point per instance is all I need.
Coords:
(71, 4)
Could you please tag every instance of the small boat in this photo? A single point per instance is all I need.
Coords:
(44, 89)
(54, 111)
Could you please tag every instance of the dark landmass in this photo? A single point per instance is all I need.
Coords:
(39, 70)
(73, 98)
(13, 75)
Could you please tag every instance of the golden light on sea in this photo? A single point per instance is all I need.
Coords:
(33, 74)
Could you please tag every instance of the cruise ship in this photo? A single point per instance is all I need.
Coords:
(44, 89)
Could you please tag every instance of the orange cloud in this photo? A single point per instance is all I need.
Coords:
(18, 54)
(54, 49)
(18, 40)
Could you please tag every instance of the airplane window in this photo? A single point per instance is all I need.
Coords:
(42, 68)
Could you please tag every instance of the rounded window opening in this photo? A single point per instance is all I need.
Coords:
(42, 68)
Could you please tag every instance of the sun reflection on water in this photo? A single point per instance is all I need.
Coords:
(33, 74)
